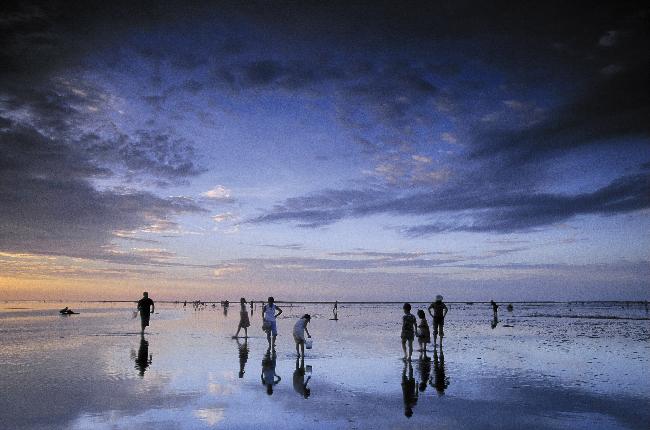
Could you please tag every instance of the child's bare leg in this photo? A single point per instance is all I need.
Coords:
(404, 346)
(410, 348)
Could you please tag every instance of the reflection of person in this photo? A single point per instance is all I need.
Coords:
(145, 306)
(495, 322)
(243, 318)
(269, 377)
(408, 330)
(494, 308)
(439, 313)
(299, 382)
(299, 330)
(441, 381)
(409, 390)
(424, 335)
(243, 356)
(269, 316)
(424, 368)
(144, 359)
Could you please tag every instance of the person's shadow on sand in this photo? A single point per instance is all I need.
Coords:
(143, 359)
(409, 389)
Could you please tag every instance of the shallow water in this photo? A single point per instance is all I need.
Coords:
(577, 365)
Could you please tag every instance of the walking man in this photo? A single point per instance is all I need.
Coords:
(146, 308)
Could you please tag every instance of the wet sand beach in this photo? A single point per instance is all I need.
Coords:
(553, 365)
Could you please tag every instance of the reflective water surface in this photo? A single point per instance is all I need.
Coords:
(577, 365)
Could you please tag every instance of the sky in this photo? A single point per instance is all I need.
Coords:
(324, 150)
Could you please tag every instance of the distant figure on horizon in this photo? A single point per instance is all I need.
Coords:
(510, 307)
(269, 377)
(146, 307)
(409, 390)
(242, 349)
(299, 330)
(299, 382)
(409, 326)
(251, 304)
(269, 324)
(423, 333)
(67, 311)
(143, 360)
(495, 308)
(439, 313)
(335, 311)
(244, 322)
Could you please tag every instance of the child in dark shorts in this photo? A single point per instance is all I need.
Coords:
(408, 330)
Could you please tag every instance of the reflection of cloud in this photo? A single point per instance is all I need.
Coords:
(227, 216)
(210, 416)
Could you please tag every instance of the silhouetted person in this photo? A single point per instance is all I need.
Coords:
(299, 382)
(225, 305)
(144, 359)
(409, 326)
(146, 307)
(269, 314)
(242, 348)
(495, 307)
(269, 377)
(423, 333)
(441, 381)
(439, 313)
(409, 390)
(335, 310)
(251, 304)
(244, 322)
(67, 311)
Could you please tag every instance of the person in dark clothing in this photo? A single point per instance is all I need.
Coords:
(409, 325)
(146, 307)
(439, 313)
(494, 308)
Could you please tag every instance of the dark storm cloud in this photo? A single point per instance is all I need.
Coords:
(462, 210)
(50, 158)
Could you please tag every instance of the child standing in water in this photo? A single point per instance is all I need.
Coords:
(424, 335)
(299, 330)
(408, 330)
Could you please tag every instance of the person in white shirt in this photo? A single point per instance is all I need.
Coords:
(269, 324)
(299, 330)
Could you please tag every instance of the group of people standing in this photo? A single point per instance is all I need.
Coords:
(412, 328)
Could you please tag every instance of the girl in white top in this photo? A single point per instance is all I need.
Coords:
(299, 330)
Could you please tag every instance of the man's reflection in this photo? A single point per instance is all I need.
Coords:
(409, 389)
(143, 359)
(495, 322)
(299, 381)
(243, 356)
(269, 377)
(441, 382)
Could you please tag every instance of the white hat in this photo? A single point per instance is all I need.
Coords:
(438, 298)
